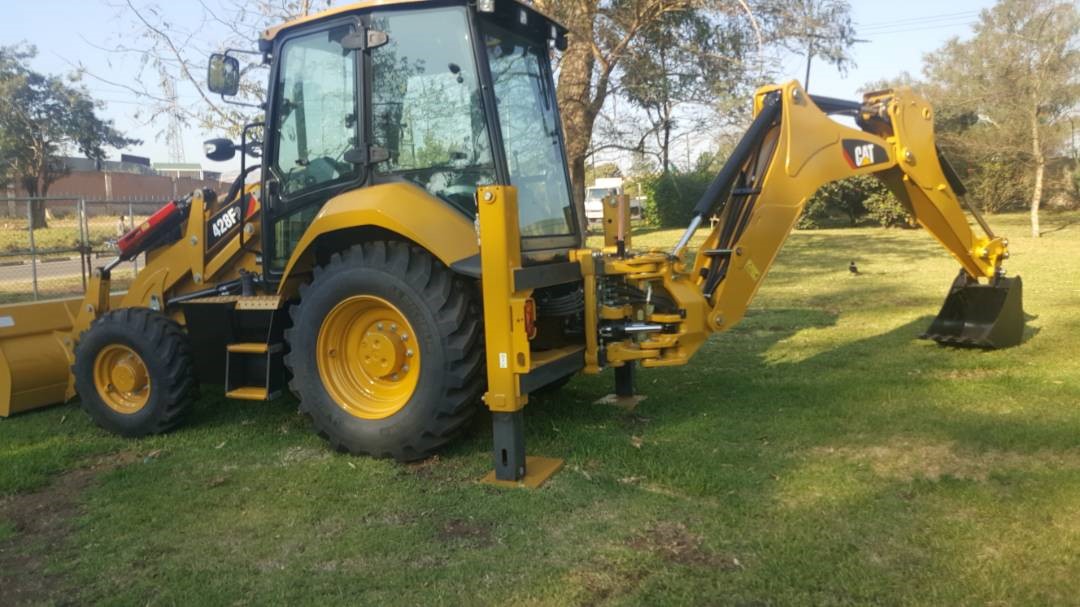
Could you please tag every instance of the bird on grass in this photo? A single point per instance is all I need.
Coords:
(854, 269)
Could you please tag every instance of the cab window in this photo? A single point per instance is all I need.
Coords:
(426, 107)
(315, 124)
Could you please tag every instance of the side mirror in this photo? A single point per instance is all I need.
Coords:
(219, 150)
(223, 75)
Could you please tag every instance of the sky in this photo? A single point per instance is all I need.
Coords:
(69, 33)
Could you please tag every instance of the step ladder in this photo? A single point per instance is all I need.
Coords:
(254, 371)
(248, 333)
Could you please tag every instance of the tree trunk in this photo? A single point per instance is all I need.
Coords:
(38, 219)
(1040, 168)
(574, 95)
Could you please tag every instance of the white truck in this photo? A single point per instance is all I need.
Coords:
(603, 187)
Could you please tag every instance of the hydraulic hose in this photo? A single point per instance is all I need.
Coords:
(722, 183)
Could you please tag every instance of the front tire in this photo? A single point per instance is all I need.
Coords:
(133, 372)
(386, 351)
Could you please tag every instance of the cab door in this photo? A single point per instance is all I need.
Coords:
(315, 126)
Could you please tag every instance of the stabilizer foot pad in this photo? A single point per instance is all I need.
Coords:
(626, 403)
(537, 472)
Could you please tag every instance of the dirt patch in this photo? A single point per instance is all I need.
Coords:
(302, 455)
(606, 582)
(425, 468)
(459, 530)
(42, 521)
(674, 543)
(910, 459)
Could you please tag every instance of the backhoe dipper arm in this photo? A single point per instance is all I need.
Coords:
(793, 148)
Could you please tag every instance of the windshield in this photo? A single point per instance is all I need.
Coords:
(425, 104)
(530, 131)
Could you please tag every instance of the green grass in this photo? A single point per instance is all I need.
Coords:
(61, 235)
(816, 454)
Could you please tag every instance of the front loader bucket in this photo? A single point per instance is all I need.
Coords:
(34, 364)
(984, 316)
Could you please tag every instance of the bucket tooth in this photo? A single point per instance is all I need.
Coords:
(983, 316)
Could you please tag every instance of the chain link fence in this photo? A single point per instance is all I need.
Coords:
(69, 238)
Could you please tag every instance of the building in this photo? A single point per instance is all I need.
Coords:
(130, 178)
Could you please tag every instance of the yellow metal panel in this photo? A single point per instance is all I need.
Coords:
(247, 348)
(34, 358)
(505, 336)
(616, 219)
(543, 357)
(401, 208)
(537, 472)
(248, 393)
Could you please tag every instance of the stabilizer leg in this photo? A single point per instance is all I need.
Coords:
(512, 467)
(624, 396)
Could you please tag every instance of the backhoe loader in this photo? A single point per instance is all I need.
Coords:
(411, 248)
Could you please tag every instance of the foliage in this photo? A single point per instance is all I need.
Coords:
(41, 117)
(600, 171)
(682, 59)
(822, 29)
(670, 197)
(849, 200)
(885, 210)
(1007, 92)
(605, 36)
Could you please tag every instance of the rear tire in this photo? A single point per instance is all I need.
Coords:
(341, 393)
(133, 372)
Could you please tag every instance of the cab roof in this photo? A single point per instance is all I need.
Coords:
(270, 34)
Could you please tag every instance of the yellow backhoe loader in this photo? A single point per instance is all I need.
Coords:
(411, 243)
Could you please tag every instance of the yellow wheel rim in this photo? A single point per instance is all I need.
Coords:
(368, 357)
(121, 379)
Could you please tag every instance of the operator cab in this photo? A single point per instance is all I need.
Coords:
(380, 92)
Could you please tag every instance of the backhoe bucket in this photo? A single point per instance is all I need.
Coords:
(983, 316)
(34, 364)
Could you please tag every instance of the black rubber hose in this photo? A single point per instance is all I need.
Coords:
(721, 185)
(234, 189)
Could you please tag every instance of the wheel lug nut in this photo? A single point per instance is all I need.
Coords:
(404, 337)
(394, 376)
(379, 326)
(393, 327)
(404, 368)
(408, 353)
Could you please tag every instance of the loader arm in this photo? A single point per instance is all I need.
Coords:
(791, 150)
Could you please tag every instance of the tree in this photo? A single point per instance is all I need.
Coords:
(1016, 80)
(603, 34)
(170, 64)
(820, 28)
(606, 169)
(42, 116)
(682, 59)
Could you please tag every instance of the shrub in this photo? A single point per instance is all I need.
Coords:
(847, 201)
(885, 210)
(670, 198)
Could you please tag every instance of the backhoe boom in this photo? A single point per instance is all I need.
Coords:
(791, 149)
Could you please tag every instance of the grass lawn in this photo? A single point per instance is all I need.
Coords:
(816, 454)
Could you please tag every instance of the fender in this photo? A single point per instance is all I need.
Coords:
(402, 208)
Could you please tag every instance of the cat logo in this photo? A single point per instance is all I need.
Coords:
(863, 153)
